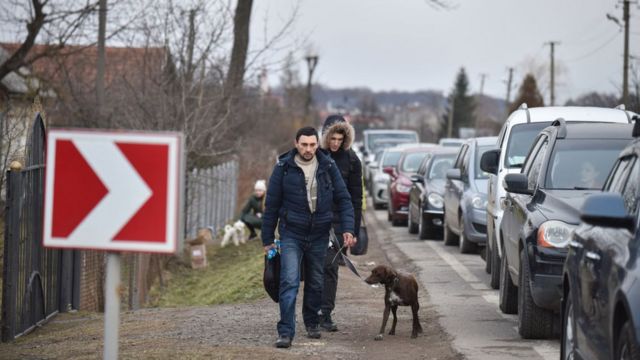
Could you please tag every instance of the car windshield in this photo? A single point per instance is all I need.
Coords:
(582, 164)
(481, 150)
(412, 162)
(382, 140)
(391, 158)
(439, 166)
(520, 141)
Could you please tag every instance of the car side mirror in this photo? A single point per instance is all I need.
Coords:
(489, 161)
(416, 179)
(517, 183)
(454, 174)
(607, 210)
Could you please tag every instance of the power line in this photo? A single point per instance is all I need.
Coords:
(600, 47)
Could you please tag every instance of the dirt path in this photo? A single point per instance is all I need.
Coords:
(248, 331)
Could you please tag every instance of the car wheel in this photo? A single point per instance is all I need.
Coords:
(413, 227)
(508, 295)
(495, 265)
(568, 343)
(627, 348)
(450, 239)
(534, 322)
(423, 230)
(466, 246)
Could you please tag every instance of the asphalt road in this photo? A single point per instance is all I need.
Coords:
(458, 288)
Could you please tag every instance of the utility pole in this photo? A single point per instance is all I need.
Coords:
(450, 120)
(625, 66)
(482, 77)
(102, 26)
(552, 44)
(312, 62)
(509, 80)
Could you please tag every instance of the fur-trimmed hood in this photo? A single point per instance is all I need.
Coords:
(346, 128)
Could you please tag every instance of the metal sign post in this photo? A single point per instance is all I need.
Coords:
(112, 307)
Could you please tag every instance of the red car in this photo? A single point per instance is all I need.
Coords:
(400, 183)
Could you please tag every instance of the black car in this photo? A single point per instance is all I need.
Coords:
(566, 162)
(601, 282)
(427, 191)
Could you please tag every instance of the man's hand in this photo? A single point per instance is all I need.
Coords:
(269, 247)
(349, 240)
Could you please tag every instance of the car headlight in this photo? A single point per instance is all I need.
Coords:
(403, 188)
(479, 203)
(555, 233)
(435, 200)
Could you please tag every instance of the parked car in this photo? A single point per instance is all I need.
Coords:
(514, 141)
(567, 162)
(451, 142)
(372, 139)
(425, 196)
(601, 277)
(400, 184)
(380, 180)
(465, 197)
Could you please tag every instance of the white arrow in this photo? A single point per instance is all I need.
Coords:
(127, 192)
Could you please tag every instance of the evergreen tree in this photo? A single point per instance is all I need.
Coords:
(528, 93)
(463, 107)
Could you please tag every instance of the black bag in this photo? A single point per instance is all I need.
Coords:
(362, 245)
(271, 277)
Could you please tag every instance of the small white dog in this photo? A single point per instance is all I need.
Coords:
(235, 233)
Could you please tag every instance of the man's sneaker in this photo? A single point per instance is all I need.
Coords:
(283, 342)
(313, 332)
(327, 324)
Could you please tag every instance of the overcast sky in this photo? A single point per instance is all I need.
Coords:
(409, 45)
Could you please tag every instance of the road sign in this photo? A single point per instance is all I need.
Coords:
(111, 190)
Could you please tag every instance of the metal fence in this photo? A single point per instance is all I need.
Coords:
(211, 197)
(37, 282)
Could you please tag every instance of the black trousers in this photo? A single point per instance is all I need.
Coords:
(330, 279)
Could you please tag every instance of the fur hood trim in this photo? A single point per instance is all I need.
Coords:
(348, 137)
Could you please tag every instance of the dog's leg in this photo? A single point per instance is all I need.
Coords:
(417, 328)
(385, 317)
(395, 320)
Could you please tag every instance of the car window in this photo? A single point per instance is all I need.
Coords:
(480, 174)
(582, 163)
(439, 166)
(423, 167)
(520, 140)
(536, 163)
(461, 154)
(540, 139)
(630, 192)
(464, 168)
(412, 161)
(619, 175)
(391, 158)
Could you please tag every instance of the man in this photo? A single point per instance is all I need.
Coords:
(303, 188)
(337, 137)
(251, 214)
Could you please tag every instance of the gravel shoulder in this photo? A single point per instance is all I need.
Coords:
(248, 330)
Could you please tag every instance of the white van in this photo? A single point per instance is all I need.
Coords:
(514, 141)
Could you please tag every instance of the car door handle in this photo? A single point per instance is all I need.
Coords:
(576, 245)
(592, 256)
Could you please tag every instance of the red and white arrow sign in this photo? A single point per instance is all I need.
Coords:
(113, 190)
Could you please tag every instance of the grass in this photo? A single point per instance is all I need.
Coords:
(234, 275)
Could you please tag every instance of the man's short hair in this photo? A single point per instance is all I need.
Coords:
(307, 131)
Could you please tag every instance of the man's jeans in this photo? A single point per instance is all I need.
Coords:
(291, 254)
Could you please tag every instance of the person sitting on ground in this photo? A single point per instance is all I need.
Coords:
(252, 211)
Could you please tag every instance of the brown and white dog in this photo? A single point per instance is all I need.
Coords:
(401, 289)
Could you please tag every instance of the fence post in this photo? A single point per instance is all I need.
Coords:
(10, 271)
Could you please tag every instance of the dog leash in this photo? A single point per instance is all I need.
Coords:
(345, 258)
